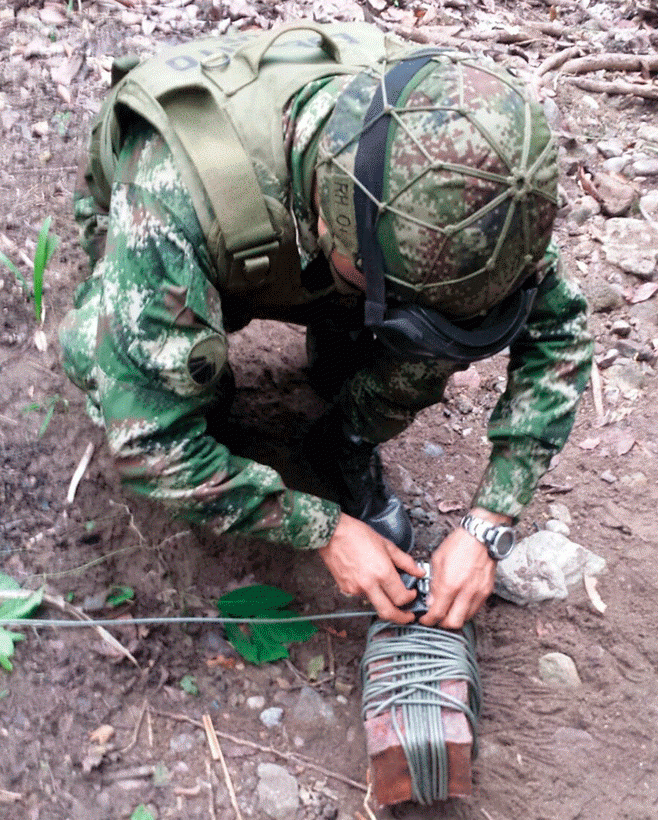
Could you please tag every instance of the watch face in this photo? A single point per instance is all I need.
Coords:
(503, 542)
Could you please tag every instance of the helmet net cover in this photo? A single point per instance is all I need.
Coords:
(469, 188)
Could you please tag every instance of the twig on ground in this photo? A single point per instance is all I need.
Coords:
(58, 602)
(216, 752)
(136, 730)
(302, 760)
(7, 420)
(556, 60)
(211, 792)
(644, 90)
(611, 62)
(366, 800)
(597, 393)
(79, 472)
(10, 797)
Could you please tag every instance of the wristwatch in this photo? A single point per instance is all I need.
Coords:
(497, 538)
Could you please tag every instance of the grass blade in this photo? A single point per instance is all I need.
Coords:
(9, 264)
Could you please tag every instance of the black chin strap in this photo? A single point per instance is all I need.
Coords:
(369, 171)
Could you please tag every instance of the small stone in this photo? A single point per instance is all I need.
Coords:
(615, 165)
(558, 669)
(311, 715)
(433, 450)
(255, 702)
(610, 148)
(608, 358)
(621, 328)
(601, 295)
(555, 525)
(609, 477)
(271, 717)
(645, 167)
(648, 133)
(560, 511)
(278, 791)
(180, 744)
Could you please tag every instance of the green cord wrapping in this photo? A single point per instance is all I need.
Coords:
(401, 672)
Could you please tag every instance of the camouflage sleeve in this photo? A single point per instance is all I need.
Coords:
(160, 357)
(548, 371)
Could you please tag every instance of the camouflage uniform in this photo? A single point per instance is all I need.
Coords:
(148, 343)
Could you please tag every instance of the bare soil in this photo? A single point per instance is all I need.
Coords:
(589, 753)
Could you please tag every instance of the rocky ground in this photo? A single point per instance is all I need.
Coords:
(88, 735)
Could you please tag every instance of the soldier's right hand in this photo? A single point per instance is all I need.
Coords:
(363, 562)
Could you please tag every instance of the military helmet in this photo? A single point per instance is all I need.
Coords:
(440, 171)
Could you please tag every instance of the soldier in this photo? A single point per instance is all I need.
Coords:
(398, 203)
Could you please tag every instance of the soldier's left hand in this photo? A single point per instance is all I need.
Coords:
(462, 579)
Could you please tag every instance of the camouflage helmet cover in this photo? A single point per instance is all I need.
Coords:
(469, 183)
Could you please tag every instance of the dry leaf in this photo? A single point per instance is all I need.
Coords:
(63, 73)
(624, 443)
(102, 735)
(592, 592)
(644, 292)
(589, 443)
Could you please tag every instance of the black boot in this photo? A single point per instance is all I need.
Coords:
(352, 470)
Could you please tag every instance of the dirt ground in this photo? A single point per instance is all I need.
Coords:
(587, 753)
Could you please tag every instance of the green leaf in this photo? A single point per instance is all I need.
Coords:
(188, 684)
(248, 601)
(6, 582)
(20, 607)
(257, 642)
(9, 264)
(119, 595)
(46, 247)
(7, 641)
(141, 813)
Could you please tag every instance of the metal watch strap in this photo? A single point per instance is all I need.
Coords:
(485, 532)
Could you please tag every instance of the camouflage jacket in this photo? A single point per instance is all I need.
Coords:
(150, 313)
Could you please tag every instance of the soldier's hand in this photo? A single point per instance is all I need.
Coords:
(462, 579)
(363, 562)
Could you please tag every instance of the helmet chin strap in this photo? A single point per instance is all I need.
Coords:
(369, 172)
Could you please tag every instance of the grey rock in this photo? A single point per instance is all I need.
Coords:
(560, 511)
(542, 567)
(555, 525)
(621, 328)
(629, 378)
(180, 744)
(611, 147)
(648, 133)
(311, 715)
(433, 450)
(645, 167)
(608, 358)
(271, 717)
(255, 702)
(630, 244)
(278, 791)
(558, 669)
(609, 477)
(615, 165)
(601, 295)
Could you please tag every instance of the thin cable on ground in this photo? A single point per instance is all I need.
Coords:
(70, 623)
(401, 672)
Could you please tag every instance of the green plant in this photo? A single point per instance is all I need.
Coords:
(11, 610)
(50, 405)
(188, 684)
(141, 813)
(262, 642)
(119, 595)
(47, 244)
